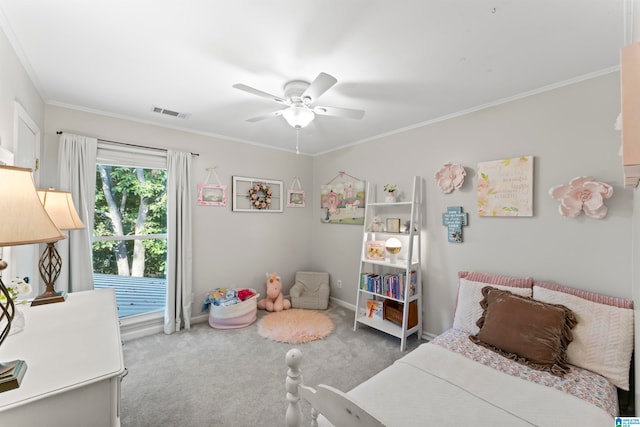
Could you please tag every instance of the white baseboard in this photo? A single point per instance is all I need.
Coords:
(141, 326)
(139, 331)
(344, 304)
(200, 318)
(134, 327)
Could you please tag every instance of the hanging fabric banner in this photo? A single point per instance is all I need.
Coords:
(342, 200)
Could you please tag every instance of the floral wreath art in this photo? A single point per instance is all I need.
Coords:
(260, 195)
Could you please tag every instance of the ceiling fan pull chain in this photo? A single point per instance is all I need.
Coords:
(297, 140)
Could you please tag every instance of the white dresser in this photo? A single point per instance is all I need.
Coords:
(74, 362)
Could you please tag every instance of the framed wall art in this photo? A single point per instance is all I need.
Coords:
(505, 187)
(393, 225)
(295, 195)
(374, 250)
(256, 195)
(212, 195)
(342, 200)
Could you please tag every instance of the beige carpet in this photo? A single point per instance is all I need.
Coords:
(295, 326)
(207, 377)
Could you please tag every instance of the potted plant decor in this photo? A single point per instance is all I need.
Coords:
(390, 193)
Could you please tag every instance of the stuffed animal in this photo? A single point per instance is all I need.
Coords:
(274, 301)
(377, 224)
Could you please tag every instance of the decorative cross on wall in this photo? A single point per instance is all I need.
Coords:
(454, 219)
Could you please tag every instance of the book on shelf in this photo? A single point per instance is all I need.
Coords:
(371, 282)
(374, 250)
(389, 285)
(375, 309)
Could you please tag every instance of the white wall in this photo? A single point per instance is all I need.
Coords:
(231, 249)
(15, 85)
(569, 131)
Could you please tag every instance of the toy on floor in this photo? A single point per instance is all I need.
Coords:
(274, 301)
(225, 297)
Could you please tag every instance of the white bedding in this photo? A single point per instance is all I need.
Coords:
(437, 387)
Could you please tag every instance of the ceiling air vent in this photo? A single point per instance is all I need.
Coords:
(170, 113)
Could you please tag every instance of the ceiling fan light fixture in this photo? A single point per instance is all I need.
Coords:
(298, 116)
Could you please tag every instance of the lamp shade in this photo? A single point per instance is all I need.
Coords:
(298, 116)
(23, 220)
(59, 205)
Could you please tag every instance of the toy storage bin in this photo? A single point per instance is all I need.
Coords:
(235, 315)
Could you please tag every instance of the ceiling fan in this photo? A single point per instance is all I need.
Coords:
(298, 97)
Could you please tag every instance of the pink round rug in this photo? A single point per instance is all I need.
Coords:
(295, 326)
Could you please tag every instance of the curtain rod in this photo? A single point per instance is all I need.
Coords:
(131, 145)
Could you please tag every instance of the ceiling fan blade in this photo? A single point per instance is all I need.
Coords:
(339, 112)
(259, 93)
(320, 85)
(265, 116)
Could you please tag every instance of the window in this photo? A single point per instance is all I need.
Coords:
(130, 236)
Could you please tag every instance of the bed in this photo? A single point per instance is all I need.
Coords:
(520, 353)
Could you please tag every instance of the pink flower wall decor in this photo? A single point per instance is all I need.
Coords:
(450, 177)
(583, 194)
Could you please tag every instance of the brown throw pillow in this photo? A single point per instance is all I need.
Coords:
(531, 332)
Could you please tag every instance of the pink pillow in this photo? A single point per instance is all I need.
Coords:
(497, 279)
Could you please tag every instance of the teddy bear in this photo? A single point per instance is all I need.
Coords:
(274, 301)
(377, 224)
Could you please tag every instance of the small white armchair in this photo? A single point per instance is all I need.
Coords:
(311, 290)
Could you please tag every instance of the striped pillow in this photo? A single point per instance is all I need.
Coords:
(603, 338)
(497, 279)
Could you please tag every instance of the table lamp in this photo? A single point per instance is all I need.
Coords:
(59, 206)
(23, 221)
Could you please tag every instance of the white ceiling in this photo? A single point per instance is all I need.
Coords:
(403, 62)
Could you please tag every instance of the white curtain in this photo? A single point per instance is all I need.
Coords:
(179, 238)
(77, 174)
